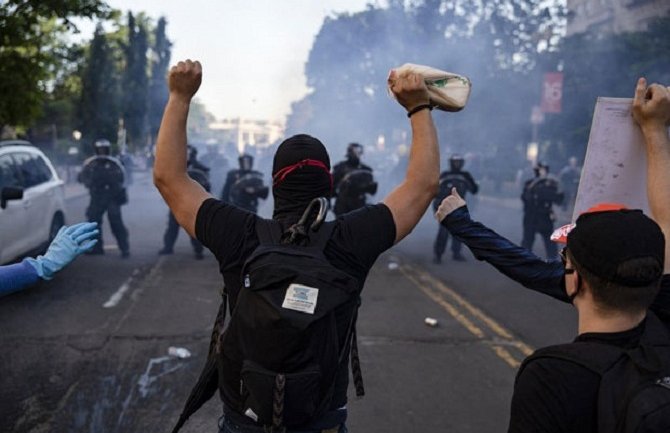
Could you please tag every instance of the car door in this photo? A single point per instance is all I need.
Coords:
(13, 221)
(35, 198)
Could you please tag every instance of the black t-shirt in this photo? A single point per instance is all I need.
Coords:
(358, 238)
(556, 396)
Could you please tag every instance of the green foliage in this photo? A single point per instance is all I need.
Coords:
(503, 46)
(160, 62)
(99, 105)
(136, 82)
(31, 49)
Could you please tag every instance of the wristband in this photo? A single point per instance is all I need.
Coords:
(419, 108)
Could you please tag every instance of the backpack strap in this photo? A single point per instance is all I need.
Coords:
(208, 382)
(356, 372)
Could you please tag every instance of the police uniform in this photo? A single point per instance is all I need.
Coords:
(464, 183)
(539, 195)
(104, 177)
(352, 180)
(200, 173)
(244, 186)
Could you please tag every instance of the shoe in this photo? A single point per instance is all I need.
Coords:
(437, 260)
(199, 255)
(165, 251)
(125, 254)
(458, 257)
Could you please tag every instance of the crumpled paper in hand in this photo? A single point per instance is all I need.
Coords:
(447, 91)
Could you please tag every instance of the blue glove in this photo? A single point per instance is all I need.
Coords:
(66, 246)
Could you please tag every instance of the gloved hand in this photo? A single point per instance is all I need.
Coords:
(67, 245)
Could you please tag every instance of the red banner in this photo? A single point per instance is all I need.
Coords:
(552, 92)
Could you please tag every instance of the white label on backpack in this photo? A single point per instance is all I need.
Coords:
(300, 298)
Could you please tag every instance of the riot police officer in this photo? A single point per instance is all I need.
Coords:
(538, 196)
(463, 181)
(244, 186)
(104, 177)
(200, 173)
(352, 180)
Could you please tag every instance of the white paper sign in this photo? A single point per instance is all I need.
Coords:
(615, 167)
(301, 298)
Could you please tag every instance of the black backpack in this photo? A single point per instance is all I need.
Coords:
(290, 330)
(634, 392)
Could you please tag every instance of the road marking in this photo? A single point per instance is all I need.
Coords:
(453, 311)
(506, 356)
(114, 300)
(460, 309)
(492, 324)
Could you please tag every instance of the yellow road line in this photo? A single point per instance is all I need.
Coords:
(491, 323)
(506, 356)
(453, 311)
(426, 282)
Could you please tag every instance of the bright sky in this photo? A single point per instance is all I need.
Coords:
(253, 52)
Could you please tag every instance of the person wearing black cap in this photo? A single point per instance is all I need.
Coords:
(615, 269)
(352, 180)
(301, 174)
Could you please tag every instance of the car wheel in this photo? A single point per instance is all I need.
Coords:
(56, 223)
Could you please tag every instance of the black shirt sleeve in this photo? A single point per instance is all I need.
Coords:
(224, 229)
(554, 396)
(360, 237)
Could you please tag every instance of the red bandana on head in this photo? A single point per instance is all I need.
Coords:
(281, 174)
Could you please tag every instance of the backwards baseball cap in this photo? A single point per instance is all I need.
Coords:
(608, 235)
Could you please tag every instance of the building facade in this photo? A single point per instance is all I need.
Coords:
(246, 133)
(613, 16)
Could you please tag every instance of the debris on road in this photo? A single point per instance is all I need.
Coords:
(179, 352)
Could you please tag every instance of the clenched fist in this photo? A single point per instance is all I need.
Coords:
(409, 89)
(184, 79)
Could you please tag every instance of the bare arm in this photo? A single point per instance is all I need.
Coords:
(651, 110)
(409, 200)
(182, 194)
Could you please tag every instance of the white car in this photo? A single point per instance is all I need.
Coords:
(32, 200)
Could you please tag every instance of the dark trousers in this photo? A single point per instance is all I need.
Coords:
(171, 233)
(542, 224)
(101, 203)
(440, 244)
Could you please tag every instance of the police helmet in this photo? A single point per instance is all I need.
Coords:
(246, 161)
(102, 146)
(541, 165)
(354, 150)
(456, 162)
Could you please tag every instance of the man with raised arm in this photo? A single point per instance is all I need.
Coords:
(301, 173)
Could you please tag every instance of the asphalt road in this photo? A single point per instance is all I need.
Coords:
(88, 351)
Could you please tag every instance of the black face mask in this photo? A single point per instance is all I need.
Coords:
(301, 173)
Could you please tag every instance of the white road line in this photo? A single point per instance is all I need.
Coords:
(118, 295)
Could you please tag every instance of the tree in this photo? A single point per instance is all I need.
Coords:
(596, 65)
(136, 82)
(160, 61)
(99, 107)
(30, 41)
